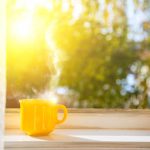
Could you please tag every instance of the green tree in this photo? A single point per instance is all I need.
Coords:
(99, 53)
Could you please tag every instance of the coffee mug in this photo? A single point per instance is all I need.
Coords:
(39, 117)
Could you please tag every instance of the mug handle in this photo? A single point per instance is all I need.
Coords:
(62, 107)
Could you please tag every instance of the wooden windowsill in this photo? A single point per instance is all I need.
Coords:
(93, 119)
(81, 139)
(85, 129)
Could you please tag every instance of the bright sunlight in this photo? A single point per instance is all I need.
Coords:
(91, 53)
(22, 28)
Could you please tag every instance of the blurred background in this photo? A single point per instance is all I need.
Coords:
(81, 53)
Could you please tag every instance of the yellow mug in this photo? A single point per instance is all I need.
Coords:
(39, 117)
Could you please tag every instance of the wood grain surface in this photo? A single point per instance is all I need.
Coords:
(93, 119)
(79, 139)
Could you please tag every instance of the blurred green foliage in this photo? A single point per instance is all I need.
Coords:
(99, 59)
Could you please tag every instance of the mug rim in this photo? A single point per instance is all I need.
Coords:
(37, 100)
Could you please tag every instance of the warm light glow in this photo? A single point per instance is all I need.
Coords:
(22, 28)
(54, 100)
(28, 44)
(49, 95)
(32, 5)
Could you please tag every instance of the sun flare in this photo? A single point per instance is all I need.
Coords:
(22, 28)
